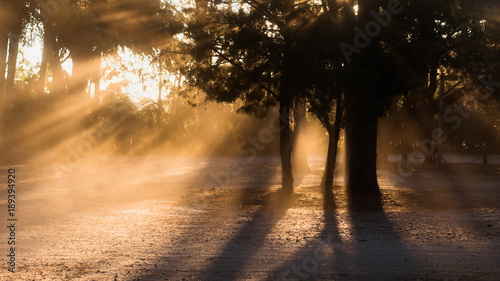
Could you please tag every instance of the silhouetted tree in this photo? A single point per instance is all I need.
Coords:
(251, 55)
(14, 15)
(397, 44)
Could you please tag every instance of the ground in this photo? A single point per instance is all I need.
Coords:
(160, 218)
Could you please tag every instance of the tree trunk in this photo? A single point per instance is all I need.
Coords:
(299, 152)
(58, 83)
(361, 156)
(4, 41)
(328, 175)
(285, 147)
(331, 158)
(12, 62)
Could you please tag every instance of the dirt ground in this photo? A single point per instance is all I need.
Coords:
(158, 218)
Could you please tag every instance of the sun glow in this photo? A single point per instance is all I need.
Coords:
(133, 74)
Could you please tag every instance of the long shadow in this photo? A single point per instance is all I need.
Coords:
(374, 249)
(353, 245)
(324, 258)
(465, 199)
(458, 192)
(251, 185)
(377, 250)
(246, 243)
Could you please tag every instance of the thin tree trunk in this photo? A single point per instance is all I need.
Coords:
(43, 67)
(58, 84)
(331, 159)
(328, 175)
(160, 82)
(12, 62)
(4, 41)
(3, 64)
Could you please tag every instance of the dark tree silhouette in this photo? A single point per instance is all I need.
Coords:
(413, 39)
(251, 55)
(14, 15)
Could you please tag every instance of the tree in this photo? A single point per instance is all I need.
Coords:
(4, 41)
(328, 108)
(321, 85)
(370, 81)
(446, 37)
(251, 55)
(14, 16)
(86, 31)
(396, 45)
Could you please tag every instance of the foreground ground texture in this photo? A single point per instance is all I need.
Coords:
(138, 218)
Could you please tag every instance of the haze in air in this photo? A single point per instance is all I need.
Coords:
(250, 140)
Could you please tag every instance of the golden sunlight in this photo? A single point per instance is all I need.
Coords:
(249, 140)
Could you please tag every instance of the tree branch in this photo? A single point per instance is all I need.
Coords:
(242, 69)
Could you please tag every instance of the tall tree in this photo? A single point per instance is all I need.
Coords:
(4, 41)
(321, 83)
(435, 39)
(396, 45)
(87, 30)
(370, 81)
(15, 15)
(251, 54)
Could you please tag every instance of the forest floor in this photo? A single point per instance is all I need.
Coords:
(154, 218)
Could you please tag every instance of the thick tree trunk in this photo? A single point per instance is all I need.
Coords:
(361, 156)
(4, 41)
(285, 147)
(299, 152)
(361, 142)
(12, 62)
(287, 89)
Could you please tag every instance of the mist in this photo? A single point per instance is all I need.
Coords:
(253, 140)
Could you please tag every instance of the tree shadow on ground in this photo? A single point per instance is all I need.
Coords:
(464, 203)
(377, 250)
(353, 245)
(465, 191)
(249, 189)
(249, 239)
(315, 260)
